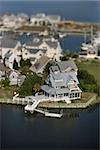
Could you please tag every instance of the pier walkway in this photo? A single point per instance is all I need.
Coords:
(40, 98)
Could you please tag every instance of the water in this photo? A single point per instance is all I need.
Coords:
(25, 131)
(20, 131)
(86, 11)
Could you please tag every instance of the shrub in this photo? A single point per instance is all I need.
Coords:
(87, 81)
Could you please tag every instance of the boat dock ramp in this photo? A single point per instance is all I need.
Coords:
(34, 103)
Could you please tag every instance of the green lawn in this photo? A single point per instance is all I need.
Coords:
(93, 67)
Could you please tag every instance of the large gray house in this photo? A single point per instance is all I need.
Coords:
(62, 81)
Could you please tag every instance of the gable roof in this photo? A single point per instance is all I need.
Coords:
(2, 67)
(8, 43)
(52, 44)
(40, 63)
(37, 41)
(63, 65)
(63, 78)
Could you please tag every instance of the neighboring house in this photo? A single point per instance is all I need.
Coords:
(43, 19)
(16, 78)
(3, 71)
(22, 18)
(62, 81)
(39, 19)
(13, 21)
(39, 46)
(10, 51)
(53, 19)
(9, 20)
(40, 64)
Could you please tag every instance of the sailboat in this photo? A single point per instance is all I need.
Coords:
(88, 50)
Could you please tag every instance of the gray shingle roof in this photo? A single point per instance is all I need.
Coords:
(40, 63)
(8, 43)
(34, 51)
(65, 64)
(52, 44)
(35, 43)
(53, 91)
(62, 79)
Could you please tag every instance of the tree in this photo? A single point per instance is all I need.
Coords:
(5, 83)
(87, 81)
(46, 70)
(68, 54)
(36, 87)
(25, 65)
(15, 65)
(31, 85)
(25, 62)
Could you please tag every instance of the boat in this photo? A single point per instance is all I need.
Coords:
(62, 35)
(90, 50)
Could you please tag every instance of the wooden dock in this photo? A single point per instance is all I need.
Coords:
(13, 102)
(22, 101)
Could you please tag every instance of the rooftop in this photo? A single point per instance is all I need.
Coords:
(8, 43)
(40, 63)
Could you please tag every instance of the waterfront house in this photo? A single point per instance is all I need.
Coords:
(43, 19)
(9, 20)
(39, 19)
(22, 19)
(62, 81)
(33, 50)
(40, 64)
(53, 19)
(15, 77)
(10, 51)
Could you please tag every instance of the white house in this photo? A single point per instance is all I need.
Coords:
(43, 19)
(33, 50)
(9, 20)
(39, 19)
(10, 50)
(16, 78)
(22, 18)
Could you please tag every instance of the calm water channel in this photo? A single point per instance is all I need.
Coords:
(77, 129)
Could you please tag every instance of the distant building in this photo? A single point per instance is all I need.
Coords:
(62, 81)
(9, 20)
(39, 19)
(22, 18)
(43, 19)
